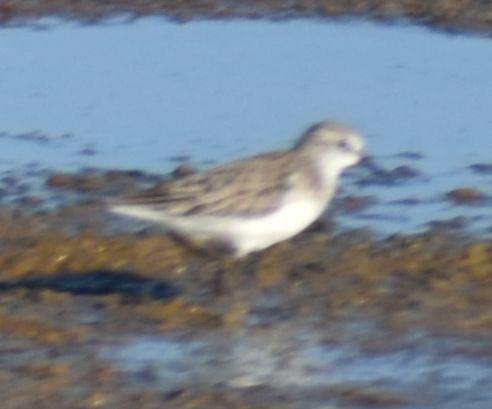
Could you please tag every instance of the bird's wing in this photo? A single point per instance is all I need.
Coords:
(243, 188)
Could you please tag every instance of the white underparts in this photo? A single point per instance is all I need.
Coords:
(243, 234)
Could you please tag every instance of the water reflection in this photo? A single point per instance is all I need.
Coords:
(293, 361)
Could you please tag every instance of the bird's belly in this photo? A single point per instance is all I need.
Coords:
(258, 233)
(245, 234)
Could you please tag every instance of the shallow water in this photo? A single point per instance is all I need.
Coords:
(148, 94)
(297, 364)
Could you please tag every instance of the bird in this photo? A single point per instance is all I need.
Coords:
(249, 204)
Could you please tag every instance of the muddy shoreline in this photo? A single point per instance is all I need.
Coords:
(449, 15)
(75, 281)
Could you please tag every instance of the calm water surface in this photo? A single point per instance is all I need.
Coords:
(140, 95)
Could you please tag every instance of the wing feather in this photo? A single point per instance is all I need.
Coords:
(246, 187)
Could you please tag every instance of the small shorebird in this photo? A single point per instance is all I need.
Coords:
(252, 203)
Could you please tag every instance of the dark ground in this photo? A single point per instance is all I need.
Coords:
(74, 279)
(454, 15)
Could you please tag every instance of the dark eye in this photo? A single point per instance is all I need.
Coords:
(343, 144)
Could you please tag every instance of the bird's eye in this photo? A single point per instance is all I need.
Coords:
(343, 144)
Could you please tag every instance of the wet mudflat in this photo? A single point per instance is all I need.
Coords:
(448, 14)
(102, 312)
